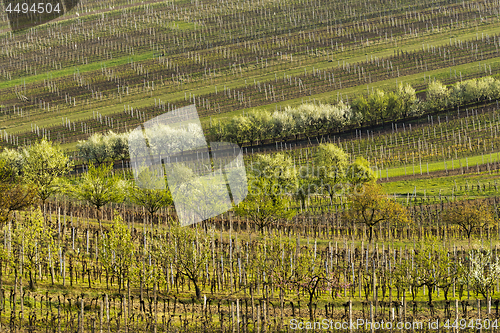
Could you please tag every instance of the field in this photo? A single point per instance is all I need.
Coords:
(307, 258)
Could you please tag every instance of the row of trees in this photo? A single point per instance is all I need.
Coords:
(260, 125)
(403, 103)
(38, 172)
(464, 92)
(381, 106)
(372, 206)
(377, 106)
(279, 262)
(274, 185)
(256, 126)
(100, 148)
(252, 127)
(433, 266)
(274, 180)
(162, 140)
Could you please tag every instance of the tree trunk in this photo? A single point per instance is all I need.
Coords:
(52, 273)
(196, 288)
(98, 217)
(32, 285)
(310, 305)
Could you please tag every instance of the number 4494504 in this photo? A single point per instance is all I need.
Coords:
(36, 8)
(476, 324)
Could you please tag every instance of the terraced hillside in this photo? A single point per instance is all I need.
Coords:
(124, 62)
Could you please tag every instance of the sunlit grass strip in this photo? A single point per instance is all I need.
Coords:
(467, 163)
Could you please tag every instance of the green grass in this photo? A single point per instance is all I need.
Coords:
(377, 49)
(200, 87)
(82, 68)
(147, 99)
(472, 163)
(446, 186)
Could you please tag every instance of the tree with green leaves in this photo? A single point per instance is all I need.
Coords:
(314, 117)
(189, 252)
(43, 164)
(407, 99)
(249, 126)
(456, 96)
(492, 90)
(359, 172)
(312, 277)
(239, 129)
(95, 149)
(116, 251)
(394, 106)
(283, 125)
(150, 192)
(117, 145)
(99, 187)
(386, 105)
(435, 268)
(371, 206)
(437, 95)
(217, 131)
(378, 102)
(361, 106)
(13, 160)
(200, 197)
(469, 216)
(305, 185)
(33, 242)
(474, 90)
(303, 117)
(262, 124)
(331, 164)
(340, 115)
(14, 195)
(261, 208)
(272, 181)
(276, 171)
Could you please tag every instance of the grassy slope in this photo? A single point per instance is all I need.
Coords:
(144, 100)
(439, 166)
(376, 49)
(295, 68)
(446, 186)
